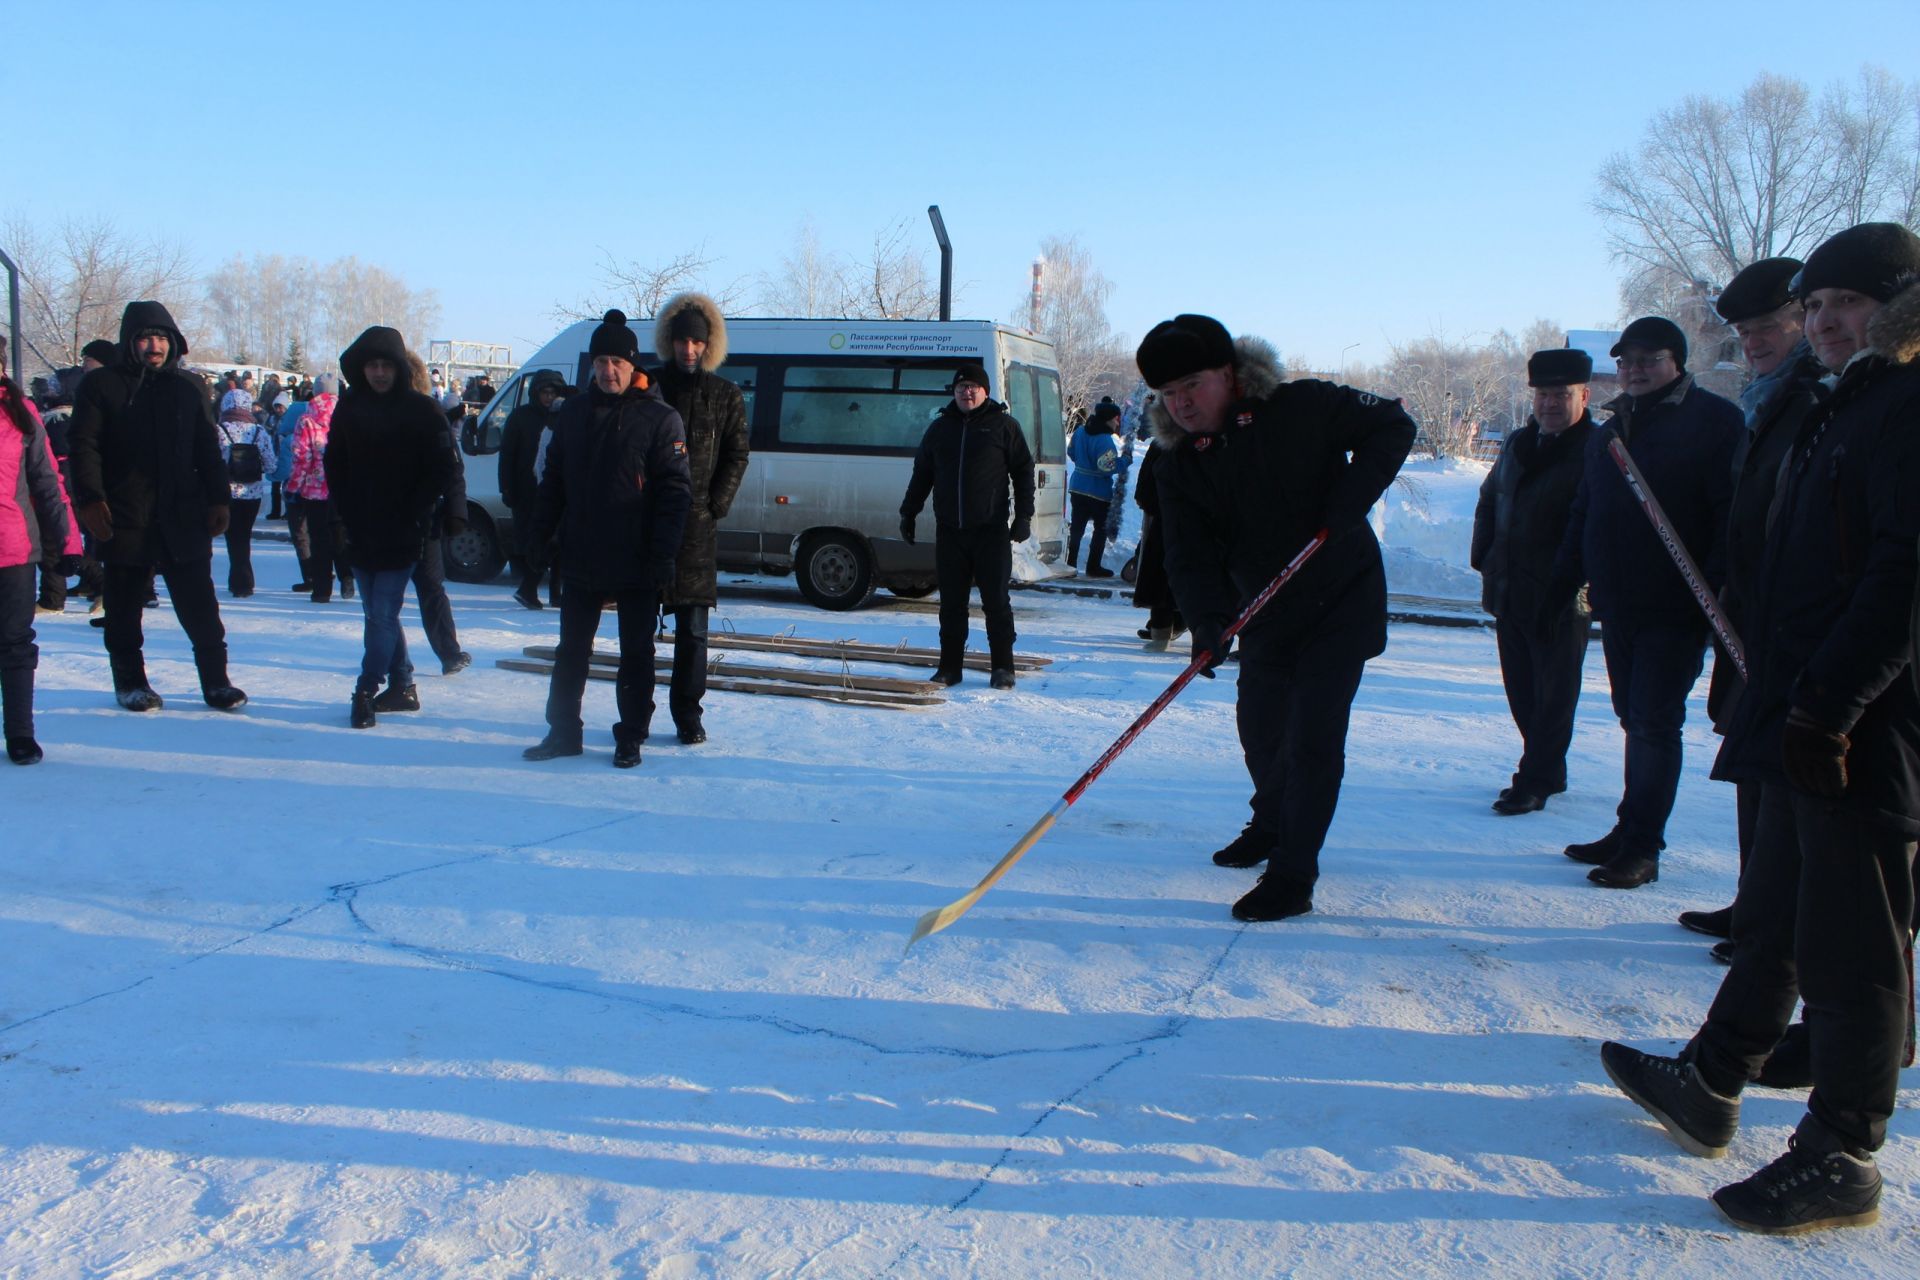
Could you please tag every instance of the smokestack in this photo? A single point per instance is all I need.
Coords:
(1033, 310)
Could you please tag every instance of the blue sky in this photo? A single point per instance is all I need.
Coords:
(1334, 177)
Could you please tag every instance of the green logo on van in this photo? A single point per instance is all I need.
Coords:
(837, 341)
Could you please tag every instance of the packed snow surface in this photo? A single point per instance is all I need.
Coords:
(286, 999)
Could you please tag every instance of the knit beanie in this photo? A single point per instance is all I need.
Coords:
(1878, 259)
(612, 338)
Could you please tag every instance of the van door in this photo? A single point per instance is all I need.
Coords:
(1033, 397)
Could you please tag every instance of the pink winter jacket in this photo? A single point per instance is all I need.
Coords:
(33, 501)
(309, 476)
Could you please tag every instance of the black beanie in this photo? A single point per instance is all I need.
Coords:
(1878, 259)
(1183, 345)
(613, 338)
(690, 323)
(1758, 290)
(971, 373)
(1106, 410)
(1559, 367)
(99, 349)
(1656, 333)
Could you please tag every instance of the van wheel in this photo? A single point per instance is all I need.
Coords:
(835, 570)
(913, 590)
(474, 556)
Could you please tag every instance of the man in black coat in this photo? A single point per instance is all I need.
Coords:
(519, 448)
(149, 486)
(388, 465)
(974, 451)
(690, 335)
(449, 521)
(1830, 720)
(1517, 528)
(1653, 632)
(616, 489)
(1254, 468)
(1768, 320)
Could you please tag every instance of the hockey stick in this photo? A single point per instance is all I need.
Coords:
(1696, 582)
(935, 921)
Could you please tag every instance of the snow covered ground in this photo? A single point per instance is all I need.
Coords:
(286, 999)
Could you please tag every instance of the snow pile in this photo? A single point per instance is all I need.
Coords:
(1425, 525)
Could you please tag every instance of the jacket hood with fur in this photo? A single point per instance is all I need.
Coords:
(1256, 367)
(1894, 330)
(716, 354)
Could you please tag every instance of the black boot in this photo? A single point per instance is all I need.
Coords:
(1596, 852)
(1817, 1184)
(1002, 678)
(1715, 924)
(1630, 868)
(552, 747)
(948, 675)
(23, 750)
(626, 753)
(1275, 898)
(407, 699)
(1672, 1091)
(360, 714)
(1248, 849)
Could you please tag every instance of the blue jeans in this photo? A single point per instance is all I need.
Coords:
(1652, 668)
(382, 592)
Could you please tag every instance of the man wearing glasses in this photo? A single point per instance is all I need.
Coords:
(1652, 631)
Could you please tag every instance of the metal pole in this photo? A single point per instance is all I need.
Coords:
(946, 261)
(13, 317)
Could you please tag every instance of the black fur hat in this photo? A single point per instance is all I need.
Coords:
(1559, 367)
(1183, 345)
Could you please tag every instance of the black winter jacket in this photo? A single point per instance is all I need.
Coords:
(714, 415)
(1836, 605)
(967, 461)
(144, 442)
(1521, 517)
(1238, 505)
(389, 459)
(616, 489)
(1151, 590)
(520, 444)
(1683, 443)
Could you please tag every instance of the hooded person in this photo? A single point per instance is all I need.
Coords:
(690, 337)
(387, 467)
(520, 441)
(614, 493)
(36, 521)
(1829, 721)
(1254, 468)
(1094, 455)
(150, 486)
(973, 455)
(246, 446)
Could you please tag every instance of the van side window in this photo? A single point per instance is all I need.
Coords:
(1047, 433)
(858, 408)
(1021, 404)
(485, 438)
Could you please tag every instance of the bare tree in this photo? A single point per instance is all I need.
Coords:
(642, 288)
(1716, 185)
(892, 282)
(1073, 316)
(354, 295)
(810, 282)
(259, 308)
(1455, 392)
(77, 277)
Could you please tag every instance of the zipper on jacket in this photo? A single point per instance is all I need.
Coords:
(960, 478)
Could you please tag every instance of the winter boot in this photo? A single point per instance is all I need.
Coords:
(23, 750)
(552, 747)
(527, 597)
(346, 587)
(456, 664)
(1715, 924)
(1002, 678)
(626, 753)
(1518, 800)
(1248, 849)
(1816, 1184)
(692, 733)
(360, 714)
(1672, 1091)
(139, 699)
(1722, 951)
(225, 698)
(397, 699)
(947, 675)
(1630, 868)
(1596, 852)
(1275, 897)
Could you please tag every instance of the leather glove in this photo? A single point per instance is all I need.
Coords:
(1816, 758)
(453, 526)
(906, 528)
(70, 565)
(1206, 637)
(1022, 529)
(217, 520)
(98, 519)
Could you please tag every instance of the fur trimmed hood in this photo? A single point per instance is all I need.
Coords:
(1256, 367)
(1894, 330)
(716, 324)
